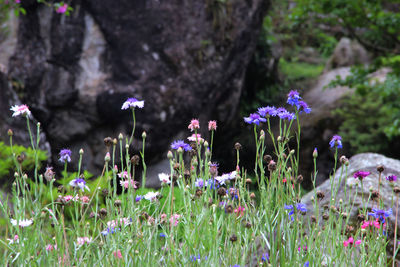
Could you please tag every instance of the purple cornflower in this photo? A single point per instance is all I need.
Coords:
(380, 214)
(79, 182)
(299, 207)
(180, 143)
(138, 198)
(267, 111)
(361, 175)
(162, 235)
(306, 264)
(391, 178)
(336, 141)
(265, 257)
(302, 106)
(286, 115)
(199, 183)
(65, 155)
(293, 98)
(110, 230)
(254, 118)
(132, 103)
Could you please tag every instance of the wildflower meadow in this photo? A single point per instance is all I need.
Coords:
(199, 217)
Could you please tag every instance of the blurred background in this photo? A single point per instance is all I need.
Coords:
(207, 59)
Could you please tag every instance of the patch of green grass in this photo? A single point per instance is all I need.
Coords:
(299, 70)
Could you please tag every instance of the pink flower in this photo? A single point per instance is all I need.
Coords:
(194, 124)
(239, 211)
(61, 9)
(20, 110)
(126, 183)
(85, 199)
(124, 175)
(361, 175)
(195, 138)
(118, 254)
(17, 1)
(174, 220)
(212, 125)
(50, 247)
(83, 240)
(304, 248)
(350, 242)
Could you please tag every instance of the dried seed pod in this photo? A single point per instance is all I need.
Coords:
(233, 238)
(238, 146)
(103, 212)
(267, 158)
(199, 192)
(320, 195)
(375, 195)
(361, 217)
(108, 141)
(135, 159)
(325, 216)
(229, 208)
(221, 191)
(380, 168)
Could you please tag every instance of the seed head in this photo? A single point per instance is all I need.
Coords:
(135, 160)
(267, 159)
(380, 168)
(238, 146)
(233, 238)
(117, 203)
(108, 141)
(103, 212)
(320, 195)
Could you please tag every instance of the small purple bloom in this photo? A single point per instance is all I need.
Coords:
(336, 141)
(293, 98)
(267, 111)
(391, 178)
(65, 155)
(80, 183)
(162, 235)
(138, 198)
(132, 103)
(380, 214)
(306, 264)
(265, 257)
(361, 175)
(254, 118)
(199, 183)
(302, 106)
(299, 207)
(180, 143)
(286, 115)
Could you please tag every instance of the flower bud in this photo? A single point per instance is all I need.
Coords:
(238, 146)
(10, 132)
(144, 135)
(115, 141)
(170, 155)
(180, 150)
(120, 136)
(107, 158)
(315, 153)
(205, 144)
(81, 151)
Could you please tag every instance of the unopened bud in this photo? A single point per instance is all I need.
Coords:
(180, 150)
(115, 141)
(120, 136)
(279, 138)
(10, 132)
(380, 168)
(205, 144)
(81, 151)
(315, 153)
(144, 135)
(107, 158)
(170, 155)
(238, 146)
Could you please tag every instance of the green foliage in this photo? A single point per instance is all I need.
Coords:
(7, 162)
(299, 70)
(371, 115)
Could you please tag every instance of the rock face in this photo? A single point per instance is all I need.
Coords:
(347, 184)
(184, 58)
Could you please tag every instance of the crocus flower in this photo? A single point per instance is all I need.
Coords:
(267, 111)
(194, 125)
(80, 183)
(212, 125)
(391, 178)
(22, 223)
(336, 141)
(61, 9)
(65, 155)
(132, 103)
(254, 118)
(380, 214)
(293, 98)
(20, 110)
(181, 144)
(361, 175)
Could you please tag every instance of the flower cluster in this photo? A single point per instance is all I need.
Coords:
(350, 242)
(194, 125)
(83, 240)
(299, 207)
(22, 223)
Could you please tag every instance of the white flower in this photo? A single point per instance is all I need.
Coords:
(195, 138)
(20, 110)
(164, 178)
(123, 221)
(82, 240)
(132, 103)
(225, 177)
(22, 223)
(151, 196)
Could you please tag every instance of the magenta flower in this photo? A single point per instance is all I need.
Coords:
(61, 9)
(336, 141)
(118, 254)
(350, 242)
(391, 178)
(361, 175)
(132, 103)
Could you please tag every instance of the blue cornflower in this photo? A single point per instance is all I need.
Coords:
(132, 103)
(199, 182)
(299, 207)
(65, 155)
(211, 184)
(267, 111)
(293, 98)
(306, 264)
(194, 258)
(138, 198)
(380, 214)
(265, 257)
(254, 118)
(79, 182)
(302, 106)
(286, 115)
(180, 143)
(336, 141)
(109, 230)
(162, 235)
